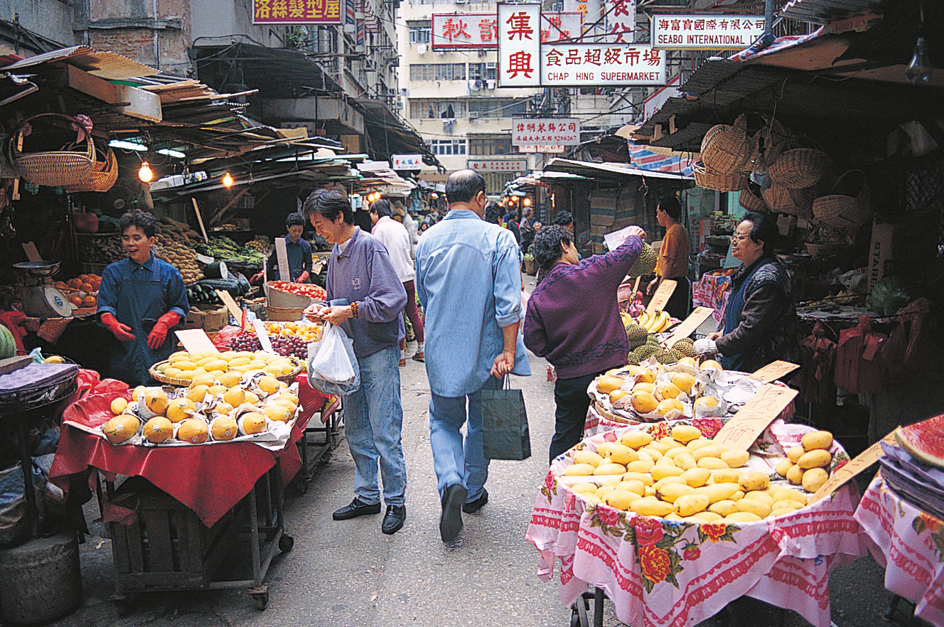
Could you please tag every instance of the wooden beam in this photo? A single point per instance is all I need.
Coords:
(128, 100)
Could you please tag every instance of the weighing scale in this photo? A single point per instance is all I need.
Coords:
(34, 284)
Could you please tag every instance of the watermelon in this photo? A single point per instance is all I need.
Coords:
(924, 440)
(7, 343)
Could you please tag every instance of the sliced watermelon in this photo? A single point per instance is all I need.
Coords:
(924, 440)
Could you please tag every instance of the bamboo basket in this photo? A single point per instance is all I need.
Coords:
(750, 201)
(104, 172)
(726, 149)
(66, 167)
(847, 205)
(779, 200)
(801, 167)
(768, 143)
(709, 179)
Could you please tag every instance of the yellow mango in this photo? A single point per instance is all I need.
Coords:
(650, 506)
(817, 458)
(711, 463)
(735, 459)
(635, 439)
(753, 506)
(817, 440)
(754, 480)
(696, 477)
(723, 508)
(672, 491)
(814, 478)
(718, 492)
(690, 504)
(742, 517)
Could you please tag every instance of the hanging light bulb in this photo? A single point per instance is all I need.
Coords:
(227, 179)
(919, 69)
(527, 201)
(144, 173)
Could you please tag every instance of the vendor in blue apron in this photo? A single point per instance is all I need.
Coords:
(140, 301)
(297, 250)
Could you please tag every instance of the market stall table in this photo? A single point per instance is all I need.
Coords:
(909, 543)
(659, 572)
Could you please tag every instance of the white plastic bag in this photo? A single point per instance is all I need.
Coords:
(332, 366)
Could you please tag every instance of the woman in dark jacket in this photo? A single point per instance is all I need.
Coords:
(760, 318)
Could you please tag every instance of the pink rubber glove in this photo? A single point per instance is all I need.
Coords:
(122, 332)
(302, 277)
(159, 332)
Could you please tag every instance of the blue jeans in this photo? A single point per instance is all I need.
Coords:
(456, 462)
(373, 420)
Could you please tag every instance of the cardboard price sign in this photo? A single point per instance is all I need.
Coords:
(282, 255)
(774, 370)
(259, 326)
(751, 420)
(196, 341)
(688, 326)
(231, 305)
(861, 462)
(31, 253)
(662, 295)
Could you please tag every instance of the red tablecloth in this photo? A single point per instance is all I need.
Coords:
(210, 479)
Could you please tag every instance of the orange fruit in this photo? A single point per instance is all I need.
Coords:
(76, 300)
(74, 283)
(60, 285)
(89, 301)
(87, 287)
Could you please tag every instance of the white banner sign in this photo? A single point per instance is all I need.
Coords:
(705, 32)
(407, 162)
(519, 41)
(542, 149)
(498, 165)
(464, 30)
(620, 21)
(601, 65)
(560, 27)
(550, 132)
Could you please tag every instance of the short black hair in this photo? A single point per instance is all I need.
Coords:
(381, 208)
(670, 204)
(764, 229)
(464, 185)
(493, 213)
(547, 248)
(330, 204)
(141, 219)
(564, 218)
(513, 215)
(295, 219)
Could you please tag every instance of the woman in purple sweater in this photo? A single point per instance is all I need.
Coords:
(573, 321)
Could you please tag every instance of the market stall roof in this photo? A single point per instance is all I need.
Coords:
(611, 171)
(823, 11)
(388, 134)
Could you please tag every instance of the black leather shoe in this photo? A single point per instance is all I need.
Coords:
(393, 519)
(476, 505)
(355, 509)
(450, 523)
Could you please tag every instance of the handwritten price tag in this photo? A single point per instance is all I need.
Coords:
(231, 305)
(662, 295)
(688, 326)
(751, 420)
(281, 254)
(264, 340)
(196, 341)
(774, 370)
(856, 466)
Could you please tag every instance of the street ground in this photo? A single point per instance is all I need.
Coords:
(349, 573)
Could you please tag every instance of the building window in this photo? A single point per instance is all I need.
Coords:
(420, 32)
(498, 107)
(437, 71)
(488, 145)
(482, 71)
(447, 147)
(429, 109)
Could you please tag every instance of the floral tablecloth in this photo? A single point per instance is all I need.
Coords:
(910, 545)
(712, 290)
(659, 572)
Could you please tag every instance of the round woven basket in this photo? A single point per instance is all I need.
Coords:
(157, 376)
(750, 201)
(104, 172)
(779, 200)
(800, 167)
(769, 142)
(70, 165)
(728, 148)
(847, 205)
(709, 179)
(803, 198)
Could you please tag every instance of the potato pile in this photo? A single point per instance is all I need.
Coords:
(682, 477)
(172, 248)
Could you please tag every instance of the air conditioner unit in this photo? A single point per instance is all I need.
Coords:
(490, 83)
(462, 1)
(490, 65)
(474, 114)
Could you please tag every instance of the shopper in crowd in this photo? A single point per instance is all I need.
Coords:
(395, 237)
(566, 220)
(581, 342)
(760, 318)
(672, 262)
(511, 223)
(526, 229)
(141, 301)
(402, 215)
(469, 283)
(297, 251)
(365, 298)
(493, 213)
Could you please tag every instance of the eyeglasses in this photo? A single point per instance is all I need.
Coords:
(738, 238)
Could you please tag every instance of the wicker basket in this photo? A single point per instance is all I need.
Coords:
(847, 205)
(69, 166)
(728, 148)
(769, 142)
(709, 179)
(750, 201)
(779, 200)
(104, 172)
(801, 167)
(157, 376)
(803, 198)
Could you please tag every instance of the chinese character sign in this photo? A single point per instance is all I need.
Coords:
(296, 11)
(550, 132)
(407, 162)
(560, 27)
(498, 165)
(464, 30)
(705, 32)
(542, 149)
(519, 43)
(601, 65)
(620, 22)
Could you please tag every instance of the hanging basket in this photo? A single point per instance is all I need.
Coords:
(104, 172)
(709, 179)
(803, 198)
(69, 165)
(728, 148)
(750, 201)
(779, 200)
(768, 143)
(847, 206)
(801, 167)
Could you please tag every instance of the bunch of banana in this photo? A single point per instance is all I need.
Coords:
(655, 321)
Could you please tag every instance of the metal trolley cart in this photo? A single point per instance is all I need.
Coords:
(317, 442)
(169, 548)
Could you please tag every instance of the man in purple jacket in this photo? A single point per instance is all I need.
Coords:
(365, 297)
(573, 321)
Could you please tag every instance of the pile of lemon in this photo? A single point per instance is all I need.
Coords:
(223, 367)
(682, 477)
(656, 392)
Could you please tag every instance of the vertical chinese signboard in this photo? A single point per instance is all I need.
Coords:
(560, 27)
(296, 11)
(620, 21)
(519, 45)
(464, 30)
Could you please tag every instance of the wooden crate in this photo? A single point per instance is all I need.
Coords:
(167, 547)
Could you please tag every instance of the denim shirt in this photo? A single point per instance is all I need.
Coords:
(468, 279)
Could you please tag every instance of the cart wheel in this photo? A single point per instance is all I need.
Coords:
(261, 600)
(286, 543)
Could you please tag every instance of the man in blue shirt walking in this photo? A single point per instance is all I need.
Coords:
(468, 279)
(297, 250)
